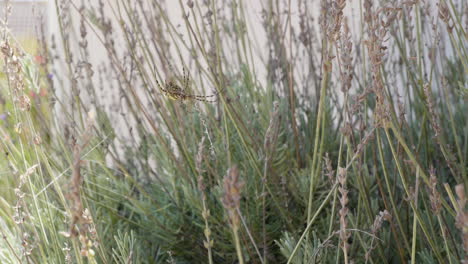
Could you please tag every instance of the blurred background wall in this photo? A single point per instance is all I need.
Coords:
(27, 20)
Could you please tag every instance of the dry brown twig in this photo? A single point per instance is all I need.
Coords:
(344, 233)
(82, 224)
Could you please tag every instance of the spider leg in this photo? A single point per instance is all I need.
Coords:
(172, 94)
(207, 101)
(193, 96)
(161, 87)
(178, 93)
(183, 96)
(200, 96)
(204, 100)
(205, 96)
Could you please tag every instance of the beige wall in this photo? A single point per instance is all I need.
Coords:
(26, 17)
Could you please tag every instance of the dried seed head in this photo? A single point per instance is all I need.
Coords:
(444, 14)
(199, 157)
(190, 3)
(331, 16)
(434, 195)
(67, 249)
(346, 46)
(24, 103)
(37, 140)
(15, 75)
(272, 131)
(344, 233)
(432, 112)
(377, 31)
(329, 172)
(232, 194)
(383, 216)
(198, 165)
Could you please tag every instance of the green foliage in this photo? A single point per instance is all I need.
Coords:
(104, 167)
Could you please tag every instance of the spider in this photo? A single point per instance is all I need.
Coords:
(172, 90)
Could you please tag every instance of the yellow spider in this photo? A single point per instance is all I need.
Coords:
(172, 90)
